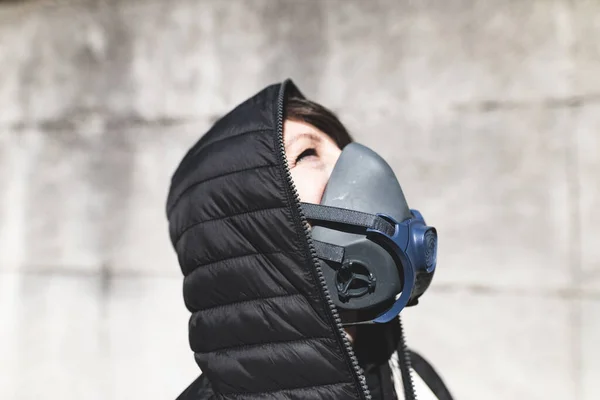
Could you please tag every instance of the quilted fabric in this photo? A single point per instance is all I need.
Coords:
(260, 325)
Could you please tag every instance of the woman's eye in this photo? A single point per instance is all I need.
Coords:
(306, 153)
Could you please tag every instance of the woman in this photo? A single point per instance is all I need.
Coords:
(263, 324)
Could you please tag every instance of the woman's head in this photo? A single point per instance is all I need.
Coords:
(314, 138)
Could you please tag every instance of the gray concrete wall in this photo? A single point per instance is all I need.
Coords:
(488, 110)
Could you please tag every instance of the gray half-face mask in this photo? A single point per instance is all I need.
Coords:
(377, 255)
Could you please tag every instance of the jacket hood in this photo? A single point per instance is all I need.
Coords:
(262, 324)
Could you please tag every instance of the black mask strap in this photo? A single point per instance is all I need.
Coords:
(318, 212)
(329, 252)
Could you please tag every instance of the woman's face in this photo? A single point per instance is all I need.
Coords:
(311, 156)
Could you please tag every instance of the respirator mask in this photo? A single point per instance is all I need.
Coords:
(377, 255)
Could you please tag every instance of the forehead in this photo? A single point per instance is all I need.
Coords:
(294, 131)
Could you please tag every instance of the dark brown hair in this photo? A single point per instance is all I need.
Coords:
(323, 119)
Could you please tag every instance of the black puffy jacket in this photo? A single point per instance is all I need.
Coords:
(263, 325)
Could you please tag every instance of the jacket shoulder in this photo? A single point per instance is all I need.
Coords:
(200, 389)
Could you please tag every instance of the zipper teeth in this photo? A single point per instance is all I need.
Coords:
(409, 386)
(334, 313)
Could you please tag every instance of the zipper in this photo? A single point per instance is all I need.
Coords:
(333, 314)
(406, 366)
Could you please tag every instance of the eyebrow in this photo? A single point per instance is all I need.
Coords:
(310, 135)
